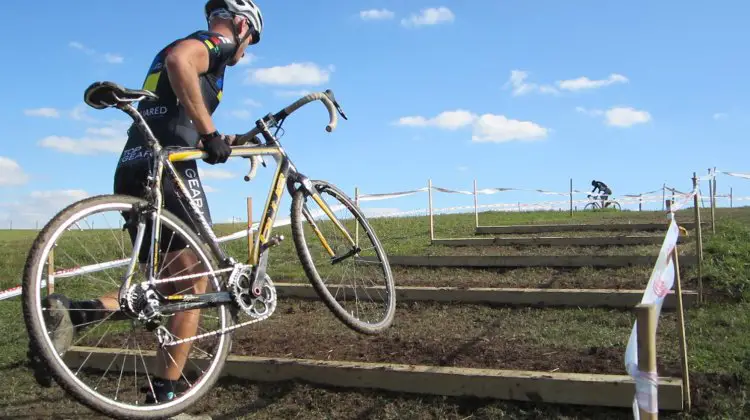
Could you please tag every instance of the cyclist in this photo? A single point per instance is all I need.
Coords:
(604, 190)
(187, 75)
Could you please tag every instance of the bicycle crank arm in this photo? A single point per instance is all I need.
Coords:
(188, 302)
(354, 251)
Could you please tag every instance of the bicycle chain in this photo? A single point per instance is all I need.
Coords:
(167, 339)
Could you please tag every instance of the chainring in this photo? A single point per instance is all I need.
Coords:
(259, 307)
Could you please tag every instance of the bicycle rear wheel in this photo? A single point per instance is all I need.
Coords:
(91, 254)
(362, 275)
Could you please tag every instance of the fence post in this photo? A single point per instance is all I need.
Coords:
(731, 198)
(698, 237)
(663, 195)
(683, 339)
(250, 240)
(51, 271)
(712, 192)
(356, 225)
(571, 197)
(476, 206)
(640, 202)
(646, 335)
(429, 198)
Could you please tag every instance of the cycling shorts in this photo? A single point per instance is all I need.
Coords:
(131, 179)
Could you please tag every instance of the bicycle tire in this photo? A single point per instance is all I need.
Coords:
(591, 206)
(615, 205)
(297, 219)
(35, 322)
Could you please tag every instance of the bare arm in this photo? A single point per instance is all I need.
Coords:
(185, 62)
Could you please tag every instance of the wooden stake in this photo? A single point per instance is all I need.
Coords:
(476, 206)
(681, 318)
(663, 194)
(646, 332)
(698, 237)
(250, 240)
(356, 226)
(51, 271)
(571, 197)
(712, 193)
(683, 339)
(429, 198)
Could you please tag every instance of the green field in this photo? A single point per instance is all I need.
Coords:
(582, 340)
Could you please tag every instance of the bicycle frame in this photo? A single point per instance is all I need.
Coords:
(286, 172)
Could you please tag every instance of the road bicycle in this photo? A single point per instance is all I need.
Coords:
(596, 204)
(234, 290)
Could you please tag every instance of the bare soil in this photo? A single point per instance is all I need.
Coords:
(626, 278)
(475, 336)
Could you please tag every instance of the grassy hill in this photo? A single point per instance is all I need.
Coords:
(574, 340)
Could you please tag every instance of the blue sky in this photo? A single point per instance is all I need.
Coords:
(523, 94)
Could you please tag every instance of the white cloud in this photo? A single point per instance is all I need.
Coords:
(291, 74)
(626, 116)
(247, 59)
(79, 46)
(591, 112)
(291, 93)
(430, 16)
(376, 14)
(242, 114)
(108, 57)
(486, 128)
(449, 120)
(108, 139)
(618, 116)
(462, 168)
(113, 58)
(82, 146)
(252, 102)
(582, 83)
(720, 116)
(215, 174)
(521, 87)
(38, 207)
(209, 189)
(11, 172)
(498, 129)
(42, 112)
(80, 113)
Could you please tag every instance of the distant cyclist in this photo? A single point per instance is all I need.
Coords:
(604, 190)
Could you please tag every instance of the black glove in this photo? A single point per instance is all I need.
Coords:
(217, 148)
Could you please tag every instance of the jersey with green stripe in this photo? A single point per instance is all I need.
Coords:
(166, 117)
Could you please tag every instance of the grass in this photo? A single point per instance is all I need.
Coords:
(718, 332)
(727, 266)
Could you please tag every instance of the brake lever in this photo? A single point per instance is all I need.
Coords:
(329, 93)
(242, 140)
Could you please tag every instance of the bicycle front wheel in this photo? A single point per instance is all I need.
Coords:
(105, 357)
(364, 296)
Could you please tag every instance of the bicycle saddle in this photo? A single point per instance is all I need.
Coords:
(101, 95)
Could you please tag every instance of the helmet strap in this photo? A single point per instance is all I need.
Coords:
(237, 39)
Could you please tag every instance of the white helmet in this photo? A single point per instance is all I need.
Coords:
(244, 8)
